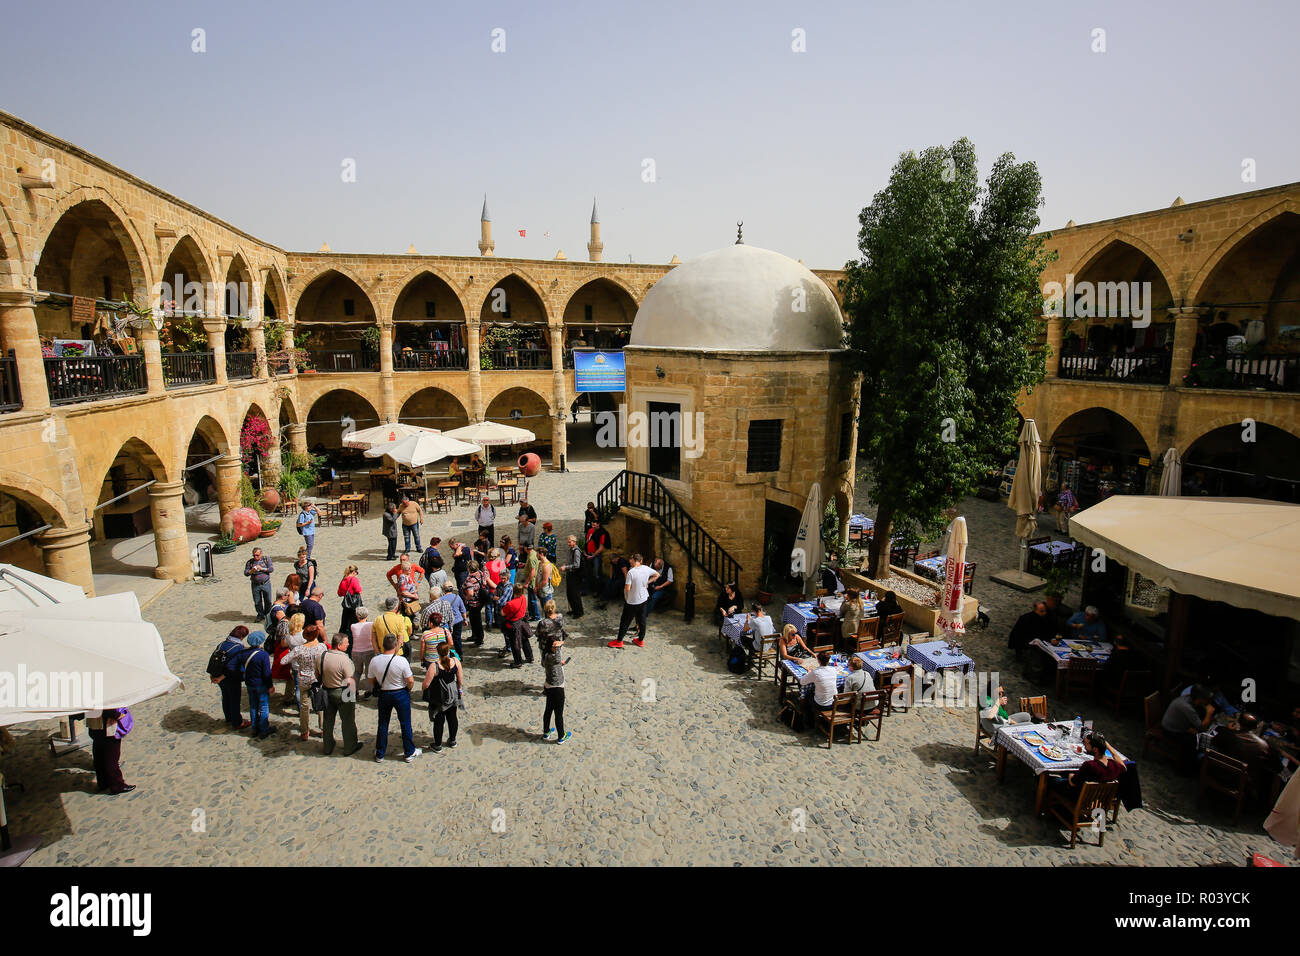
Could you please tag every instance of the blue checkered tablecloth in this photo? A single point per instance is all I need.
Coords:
(732, 627)
(931, 568)
(861, 521)
(800, 615)
(923, 654)
(838, 661)
(1011, 736)
(882, 661)
(1074, 647)
(1058, 551)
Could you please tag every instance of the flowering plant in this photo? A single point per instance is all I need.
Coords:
(254, 438)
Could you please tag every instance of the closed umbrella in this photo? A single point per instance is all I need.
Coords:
(806, 558)
(954, 569)
(378, 434)
(1027, 488)
(1171, 479)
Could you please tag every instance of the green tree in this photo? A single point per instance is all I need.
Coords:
(943, 315)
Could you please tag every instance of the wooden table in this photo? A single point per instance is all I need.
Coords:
(508, 485)
(1042, 768)
(451, 486)
(353, 506)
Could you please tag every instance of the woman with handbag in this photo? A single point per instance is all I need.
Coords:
(436, 634)
(106, 733)
(474, 593)
(350, 592)
(444, 685)
(305, 662)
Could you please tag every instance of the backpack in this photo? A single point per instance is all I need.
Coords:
(217, 662)
(555, 575)
(737, 660)
(299, 523)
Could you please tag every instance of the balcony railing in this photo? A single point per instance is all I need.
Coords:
(1134, 368)
(514, 359)
(241, 365)
(430, 359)
(1218, 368)
(11, 397)
(184, 369)
(86, 379)
(342, 360)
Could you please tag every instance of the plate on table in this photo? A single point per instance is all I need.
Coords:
(1034, 739)
(1053, 753)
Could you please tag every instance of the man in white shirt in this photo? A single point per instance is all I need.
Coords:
(636, 600)
(758, 625)
(394, 680)
(486, 516)
(824, 689)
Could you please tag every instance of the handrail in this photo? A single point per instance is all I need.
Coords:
(647, 492)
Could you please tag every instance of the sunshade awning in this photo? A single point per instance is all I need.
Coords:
(1241, 551)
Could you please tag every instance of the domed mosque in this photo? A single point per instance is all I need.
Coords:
(739, 400)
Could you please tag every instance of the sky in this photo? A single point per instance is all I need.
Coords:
(681, 118)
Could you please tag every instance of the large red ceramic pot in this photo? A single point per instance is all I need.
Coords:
(245, 525)
(270, 499)
(529, 464)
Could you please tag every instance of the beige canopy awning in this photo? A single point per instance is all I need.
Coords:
(1242, 551)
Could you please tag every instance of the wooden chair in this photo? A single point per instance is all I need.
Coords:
(932, 553)
(825, 631)
(821, 592)
(982, 740)
(767, 655)
(1077, 812)
(442, 503)
(1035, 707)
(789, 694)
(841, 714)
(898, 685)
(1132, 685)
(1222, 774)
(873, 708)
(856, 537)
(865, 639)
(892, 630)
(1152, 711)
(1079, 673)
(968, 577)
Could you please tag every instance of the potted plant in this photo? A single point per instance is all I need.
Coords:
(370, 343)
(224, 544)
(269, 528)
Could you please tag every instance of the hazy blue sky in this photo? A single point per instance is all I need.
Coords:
(255, 129)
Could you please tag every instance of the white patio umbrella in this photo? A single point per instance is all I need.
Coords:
(1171, 479)
(76, 657)
(21, 590)
(492, 433)
(422, 449)
(951, 625)
(378, 434)
(806, 558)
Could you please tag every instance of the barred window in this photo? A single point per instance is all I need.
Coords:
(764, 445)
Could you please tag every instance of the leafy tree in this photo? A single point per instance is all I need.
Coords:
(943, 316)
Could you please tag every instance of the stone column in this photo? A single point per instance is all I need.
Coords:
(472, 340)
(298, 439)
(151, 347)
(230, 468)
(216, 329)
(1185, 323)
(167, 509)
(387, 403)
(1055, 333)
(18, 331)
(66, 552)
(286, 343)
(257, 336)
(560, 412)
(274, 463)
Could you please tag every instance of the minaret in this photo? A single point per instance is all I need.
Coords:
(595, 248)
(486, 246)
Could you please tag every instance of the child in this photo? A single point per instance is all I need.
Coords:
(551, 635)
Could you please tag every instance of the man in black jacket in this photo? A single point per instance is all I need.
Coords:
(390, 530)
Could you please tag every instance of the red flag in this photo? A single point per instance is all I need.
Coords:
(522, 232)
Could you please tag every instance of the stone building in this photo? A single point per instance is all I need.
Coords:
(739, 399)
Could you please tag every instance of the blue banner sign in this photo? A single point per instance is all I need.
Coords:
(599, 372)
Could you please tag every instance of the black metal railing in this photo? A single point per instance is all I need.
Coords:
(513, 359)
(343, 360)
(11, 396)
(241, 365)
(408, 360)
(86, 379)
(183, 369)
(1134, 368)
(647, 492)
(1218, 368)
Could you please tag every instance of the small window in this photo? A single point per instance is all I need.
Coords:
(587, 313)
(665, 438)
(349, 307)
(764, 445)
(846, 436)
(430, 310)
(108, 287)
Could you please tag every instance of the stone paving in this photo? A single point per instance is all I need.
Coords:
(673, 759)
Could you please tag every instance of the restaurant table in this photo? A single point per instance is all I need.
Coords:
(861, 521)
(453, 487)
(931, 568)
(733, 627)
(355, 504)
(1057, 552)
(797, 671)
(508, 485)
(381, 473)
(924, 655)
(803, 613)
(1009, 739)
(1075, 647)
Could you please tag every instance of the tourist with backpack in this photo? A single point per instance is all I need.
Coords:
(307, 521)
(444, 686)
(255, 667)
(545, 580)
(221, 669)
(573, 578)
(475, 594)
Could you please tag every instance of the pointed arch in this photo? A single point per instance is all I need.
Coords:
(1225, 248)
(1115, 235)
(118, 220)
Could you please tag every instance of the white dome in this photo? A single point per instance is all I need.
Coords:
(739, 298)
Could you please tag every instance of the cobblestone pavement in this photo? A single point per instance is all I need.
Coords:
(673, 759)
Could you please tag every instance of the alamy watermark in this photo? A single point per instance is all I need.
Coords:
(624, 429)
(1086, 300)
(51, 690)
